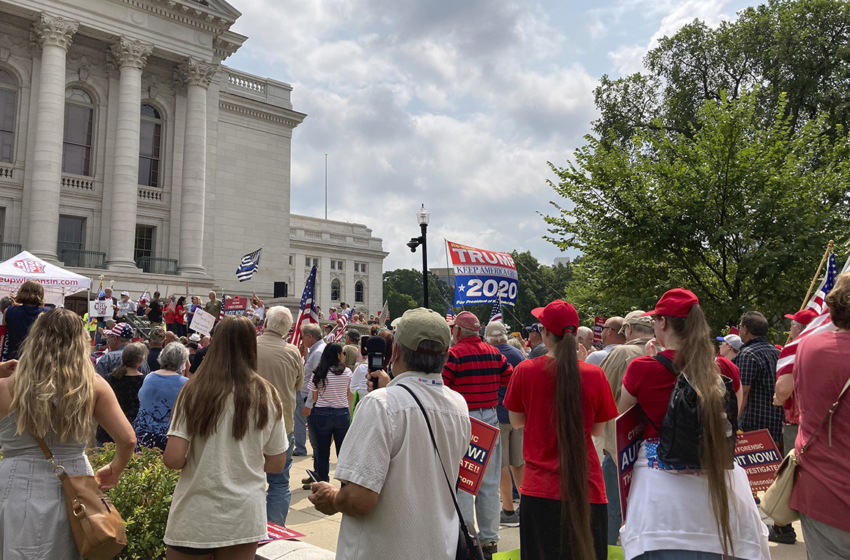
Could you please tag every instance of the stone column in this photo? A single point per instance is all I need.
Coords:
(54, 37)
(197, 75)
(131, 56)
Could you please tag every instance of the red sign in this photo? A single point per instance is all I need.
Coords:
(235, 305)
(278, 533)
(756, 453)
(629, 427)
(598, 323)
(474, 463)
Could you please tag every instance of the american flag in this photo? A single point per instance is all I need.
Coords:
(450, 314)
(249, 265)
(496, 314)
(221, 313)
(307, 311)
(342, 322)
(819, 324)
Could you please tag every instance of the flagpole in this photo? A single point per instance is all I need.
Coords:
(326, 186)
(829, 247)
(817, 274)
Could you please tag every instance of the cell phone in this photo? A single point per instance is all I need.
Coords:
(363, 340)
(312, 475)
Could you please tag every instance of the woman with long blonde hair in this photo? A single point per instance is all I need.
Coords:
(54, 394)
(227, 431)
(685, 512)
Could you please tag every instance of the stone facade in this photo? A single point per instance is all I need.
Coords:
(218, 184)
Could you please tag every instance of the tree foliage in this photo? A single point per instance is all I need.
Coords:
(722, 167)
(738, 211)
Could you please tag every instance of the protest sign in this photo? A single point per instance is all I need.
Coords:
(474, 463)
(483, 276)
(3, 343)
(278, 533)
(202, 322)
(598, 323)
(101, 308)
(756, 453)
(629, 428)
(235, 305)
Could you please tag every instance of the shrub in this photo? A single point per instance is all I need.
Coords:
(143, 497)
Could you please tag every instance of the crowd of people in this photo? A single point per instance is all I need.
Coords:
(230, 412)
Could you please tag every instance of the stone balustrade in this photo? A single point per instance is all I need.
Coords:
(77, 182)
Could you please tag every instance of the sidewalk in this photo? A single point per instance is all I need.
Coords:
(321, 530)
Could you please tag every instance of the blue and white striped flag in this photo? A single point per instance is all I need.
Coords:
(250, 264)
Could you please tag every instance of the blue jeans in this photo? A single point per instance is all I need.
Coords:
(612, 489)
(486, 504)
(279, 495)
(327, 423)
(300, 426)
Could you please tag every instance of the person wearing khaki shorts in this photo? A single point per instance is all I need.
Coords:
(496, 335)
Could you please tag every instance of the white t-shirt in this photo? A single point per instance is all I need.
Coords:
(388, 450)
(359, 383)
(220, 498)
(670, 511)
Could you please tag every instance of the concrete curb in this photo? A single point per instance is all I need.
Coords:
(292, 550)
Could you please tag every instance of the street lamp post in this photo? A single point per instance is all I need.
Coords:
(422, 217)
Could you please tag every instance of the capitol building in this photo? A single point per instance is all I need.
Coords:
(128, 150)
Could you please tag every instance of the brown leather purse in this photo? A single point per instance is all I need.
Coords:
(95, 522)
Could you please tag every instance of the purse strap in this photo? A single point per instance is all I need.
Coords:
(828, 416)
(58, 469)
(437, 449)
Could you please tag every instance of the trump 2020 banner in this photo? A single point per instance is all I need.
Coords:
(483, 276)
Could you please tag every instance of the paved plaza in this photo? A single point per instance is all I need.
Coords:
(321, 530)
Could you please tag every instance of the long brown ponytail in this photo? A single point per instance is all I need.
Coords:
(695, 355)
(572, 450)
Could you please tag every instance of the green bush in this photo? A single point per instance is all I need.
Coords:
(143, 497)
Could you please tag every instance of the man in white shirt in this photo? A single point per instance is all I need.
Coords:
(611, 337)
(125, 307)
(391, 471)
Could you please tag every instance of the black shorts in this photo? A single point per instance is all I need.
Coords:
(540, 529)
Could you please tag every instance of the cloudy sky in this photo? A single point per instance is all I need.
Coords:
(457, 104)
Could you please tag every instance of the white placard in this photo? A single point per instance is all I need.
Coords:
(101, 308)
(202, 322)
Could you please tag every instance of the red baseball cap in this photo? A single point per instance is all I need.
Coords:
(559, 317)
(675, 303)
(803, 317)
(467, 320)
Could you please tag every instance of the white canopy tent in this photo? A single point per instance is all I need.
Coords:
(58, 282)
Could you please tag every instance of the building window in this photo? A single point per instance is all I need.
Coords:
(8, 100)
(358, 292)
(150, 140)
(335, 289)
(311, 262)
(307, 261)
(359, 267)
(76, 147)
(290, 260)
(339, 265)
(333, 265)
(71, 239)
(144, 242)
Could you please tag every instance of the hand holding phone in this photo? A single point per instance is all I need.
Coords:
(313, 476)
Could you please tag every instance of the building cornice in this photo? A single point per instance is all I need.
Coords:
(187, 12)
(307, 244)
(277, 115)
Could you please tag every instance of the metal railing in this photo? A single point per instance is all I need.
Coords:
(154, 265)
(77, 258)
(9, 250)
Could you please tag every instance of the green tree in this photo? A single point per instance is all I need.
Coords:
(403, 290)
(737, 210)
(795, 50)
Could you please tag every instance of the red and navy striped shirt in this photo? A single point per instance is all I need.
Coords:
(476, 370)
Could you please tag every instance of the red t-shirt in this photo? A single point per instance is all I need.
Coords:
(532, 392)
(651, 384)
(731, 371)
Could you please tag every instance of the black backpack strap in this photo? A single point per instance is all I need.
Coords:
(667, 363)
(437, 449)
